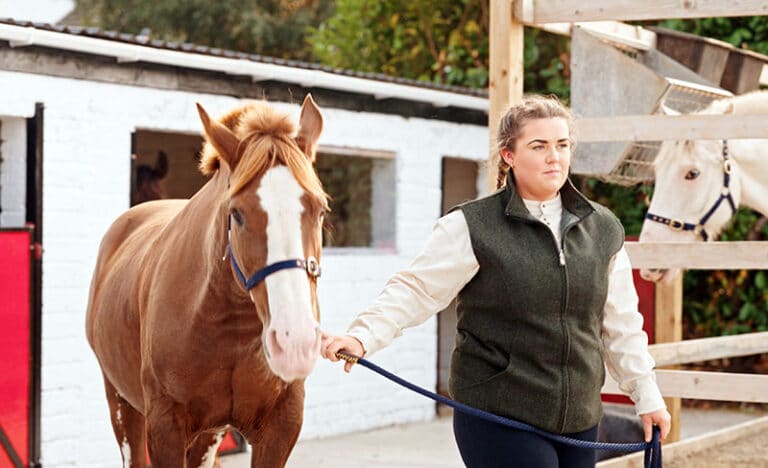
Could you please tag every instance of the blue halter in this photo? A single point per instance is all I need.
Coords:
(310, 265)
(725, 194)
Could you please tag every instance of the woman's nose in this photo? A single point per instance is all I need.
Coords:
(553, 155)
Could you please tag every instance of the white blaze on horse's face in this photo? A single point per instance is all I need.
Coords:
(689, 181)
(292, 337)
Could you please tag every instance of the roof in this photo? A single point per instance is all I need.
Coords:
(135, 48)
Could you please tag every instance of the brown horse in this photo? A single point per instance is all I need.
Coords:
(190, 344)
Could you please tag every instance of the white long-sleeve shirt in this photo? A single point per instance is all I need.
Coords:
(448, 263)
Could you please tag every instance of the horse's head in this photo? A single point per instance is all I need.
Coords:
(275, 206)
(148, 178)
(696, 193)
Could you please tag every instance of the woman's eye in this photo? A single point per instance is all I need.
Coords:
(538, 147)
(237, 217)
(692, 174)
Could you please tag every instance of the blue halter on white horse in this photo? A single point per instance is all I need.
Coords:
(694, 178)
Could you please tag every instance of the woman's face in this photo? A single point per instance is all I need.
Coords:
(541, 158)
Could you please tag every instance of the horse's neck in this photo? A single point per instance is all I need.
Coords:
(204, 226)
(752, 159)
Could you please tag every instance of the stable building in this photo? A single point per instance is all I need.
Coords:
(86, 115)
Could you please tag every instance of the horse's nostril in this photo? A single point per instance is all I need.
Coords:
(273, 342)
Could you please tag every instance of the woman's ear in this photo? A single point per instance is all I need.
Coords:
(508, 157)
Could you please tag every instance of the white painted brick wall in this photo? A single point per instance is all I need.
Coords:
(13, 171)
(86, 173)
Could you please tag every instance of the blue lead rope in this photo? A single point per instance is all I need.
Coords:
(652, 449)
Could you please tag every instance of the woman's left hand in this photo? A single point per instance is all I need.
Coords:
(659, 418)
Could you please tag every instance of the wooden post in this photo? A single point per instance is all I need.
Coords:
(668, 327)
(505, 78)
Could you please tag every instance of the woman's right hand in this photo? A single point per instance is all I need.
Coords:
(332, 344)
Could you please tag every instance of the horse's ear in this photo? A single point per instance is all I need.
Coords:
(310, 127)
(161, 166)
(220, 137)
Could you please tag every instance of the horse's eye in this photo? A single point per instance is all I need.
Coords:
(237, 217)
(692, 174)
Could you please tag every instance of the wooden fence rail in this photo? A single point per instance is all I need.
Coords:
(671, 127)
(704, 349)
(699, 255)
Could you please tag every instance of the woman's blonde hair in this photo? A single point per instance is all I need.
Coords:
(532, 106)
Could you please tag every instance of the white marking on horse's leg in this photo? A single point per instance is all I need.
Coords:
(210, 456)
(125, 448)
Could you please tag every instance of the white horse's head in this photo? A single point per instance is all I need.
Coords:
(696, 192)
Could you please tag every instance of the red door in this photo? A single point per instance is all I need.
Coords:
(15, 347)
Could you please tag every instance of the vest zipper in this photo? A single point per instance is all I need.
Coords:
(566, 336)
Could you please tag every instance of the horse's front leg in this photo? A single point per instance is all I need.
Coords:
(273, 436)
(203, 452)
(166, 436)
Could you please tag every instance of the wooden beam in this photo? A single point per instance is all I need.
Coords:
(671, 127)
(721, 386)
(635, 37)
(565, 11)
(668, 328)
(505, 80)
(748, 255)
(704, 349)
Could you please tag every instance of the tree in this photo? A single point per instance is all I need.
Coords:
(440, 41)
(276, 28)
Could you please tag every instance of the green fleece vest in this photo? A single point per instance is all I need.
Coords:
(528, 343)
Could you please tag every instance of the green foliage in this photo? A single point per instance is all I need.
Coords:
(727, 302)
(440, 41)
(628, 203)
(275, 28)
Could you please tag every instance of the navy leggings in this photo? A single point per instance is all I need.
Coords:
(484, 444)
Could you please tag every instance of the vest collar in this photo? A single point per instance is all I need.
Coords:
(573, 201)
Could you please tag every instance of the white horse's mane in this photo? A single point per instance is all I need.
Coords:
(755, 102)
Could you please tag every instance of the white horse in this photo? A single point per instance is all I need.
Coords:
(700, 184)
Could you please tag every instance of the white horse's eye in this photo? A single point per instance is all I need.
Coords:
(692, 174)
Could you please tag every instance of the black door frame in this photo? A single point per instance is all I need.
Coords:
(34, 211)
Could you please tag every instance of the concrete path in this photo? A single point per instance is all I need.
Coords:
(431, 444)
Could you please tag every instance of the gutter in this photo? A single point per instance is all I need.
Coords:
(21, 36)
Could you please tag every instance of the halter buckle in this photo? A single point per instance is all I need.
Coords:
(676, 225)
(727, 166)
(313, 266)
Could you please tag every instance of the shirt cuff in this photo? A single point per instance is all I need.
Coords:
(365, 337)
(646, 395)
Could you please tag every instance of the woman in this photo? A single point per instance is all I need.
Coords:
(545, 301)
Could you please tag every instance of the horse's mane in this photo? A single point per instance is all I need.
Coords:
(268, 139)
(755, 102)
